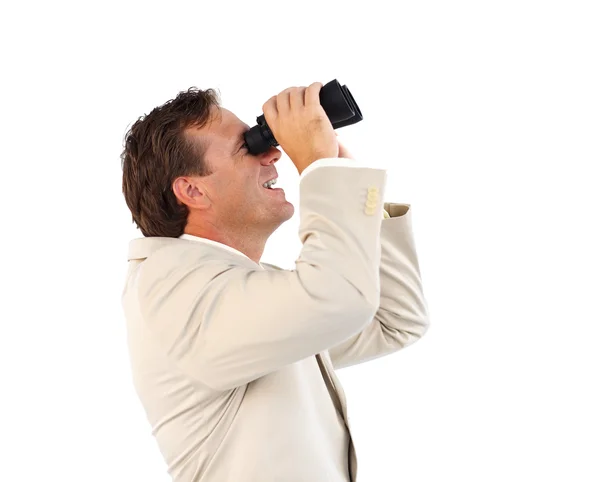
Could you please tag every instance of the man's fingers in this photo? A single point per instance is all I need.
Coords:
(297, 97)
(283, 100)
(311, 95)
(270, 109)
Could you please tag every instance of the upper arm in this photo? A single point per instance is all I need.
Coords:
(228, 325)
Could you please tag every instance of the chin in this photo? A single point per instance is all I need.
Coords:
(289, 207)
(284, 214)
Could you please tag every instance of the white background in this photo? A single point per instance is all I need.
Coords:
(486, 115)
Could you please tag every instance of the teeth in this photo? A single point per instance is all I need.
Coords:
(270, 183)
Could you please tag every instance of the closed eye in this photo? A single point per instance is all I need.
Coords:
(243, 140)
(241, 146)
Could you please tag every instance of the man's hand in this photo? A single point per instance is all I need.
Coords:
(301, 126)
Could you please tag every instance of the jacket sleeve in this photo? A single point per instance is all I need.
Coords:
(226, 324)
(402, 316)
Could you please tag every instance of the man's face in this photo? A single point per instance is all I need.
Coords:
(237, 197)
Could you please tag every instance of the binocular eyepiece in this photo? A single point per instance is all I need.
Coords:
(337, 102)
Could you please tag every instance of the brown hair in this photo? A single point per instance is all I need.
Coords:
(156, 151)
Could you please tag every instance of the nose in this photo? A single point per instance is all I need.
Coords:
(270, 157)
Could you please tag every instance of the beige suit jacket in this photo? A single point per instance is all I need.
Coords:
(234, 361)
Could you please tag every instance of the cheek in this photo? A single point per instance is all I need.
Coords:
(238, 184)
(243, 187)
(249, 181)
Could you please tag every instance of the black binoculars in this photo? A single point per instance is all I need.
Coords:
(337, 102)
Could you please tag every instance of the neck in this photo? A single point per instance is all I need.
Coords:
(252, 244)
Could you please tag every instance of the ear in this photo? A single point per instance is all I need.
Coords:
(190, 191)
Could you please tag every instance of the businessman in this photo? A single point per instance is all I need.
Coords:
(234, 359)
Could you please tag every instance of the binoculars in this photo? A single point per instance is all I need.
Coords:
(337, 102)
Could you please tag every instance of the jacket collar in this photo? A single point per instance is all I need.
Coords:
(141, 248)
(191, 237)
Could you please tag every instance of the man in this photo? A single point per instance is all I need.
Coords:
(233, 359)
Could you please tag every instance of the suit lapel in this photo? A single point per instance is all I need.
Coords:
(331, 386)
(337, 392)
(339, 400)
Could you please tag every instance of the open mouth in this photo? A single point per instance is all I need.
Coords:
(269, 184)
